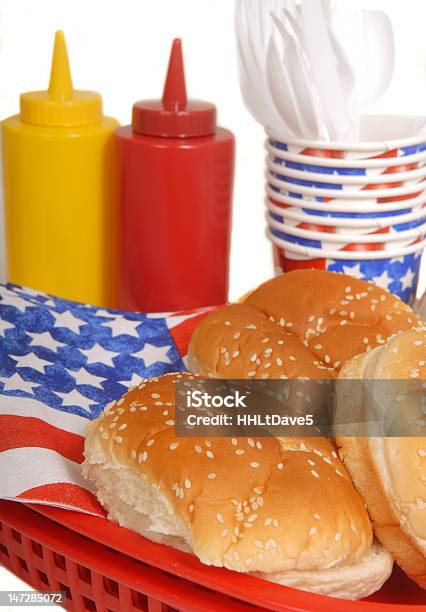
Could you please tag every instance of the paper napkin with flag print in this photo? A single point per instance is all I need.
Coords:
(61, 363)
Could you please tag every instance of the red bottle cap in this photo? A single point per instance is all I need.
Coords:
(174, 116)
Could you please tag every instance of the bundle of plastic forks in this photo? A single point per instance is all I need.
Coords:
(301, 76)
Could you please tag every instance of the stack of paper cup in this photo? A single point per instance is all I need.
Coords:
(358, 208)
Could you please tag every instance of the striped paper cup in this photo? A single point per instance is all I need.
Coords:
(368, 222)
(349, 208)
(380, 135)
(311, 235)
(397, 271)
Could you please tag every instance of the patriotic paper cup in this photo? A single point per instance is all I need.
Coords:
(320, 160)
(379, 135)
(392, 234)
(340, 193)
(350, 208)
(359, 245)
(345, 221)
(309, 176)
(350, 251)
(399, 274)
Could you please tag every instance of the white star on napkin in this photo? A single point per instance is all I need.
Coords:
(74, 398)
(97, 354)
(122, 327)
(45, 339)
(30, 360)
(68, 320)
(17, 383)
(150, 354)
(4, 325)
(83, 377)
(135, 380)
(13, 300)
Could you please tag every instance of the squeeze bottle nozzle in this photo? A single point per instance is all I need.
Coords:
(61, 105)
(174, 94)
(60, 85)
(174, 116)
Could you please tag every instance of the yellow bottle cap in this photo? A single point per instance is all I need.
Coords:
(61, 104)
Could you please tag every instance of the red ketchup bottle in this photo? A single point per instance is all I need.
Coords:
(177, 171)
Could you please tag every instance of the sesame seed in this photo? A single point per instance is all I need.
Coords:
(210, 455)
(251, 374)
(338, 536)
(133, 454)
(250, 442)
(314, 473)
(421, 453)
(353, 527)
(118, 439)
(155, 395)
(198, 448)
(240, 451)
(267, 522)
(312, 531)
(317, 516)
(173, 445)
(150, 442)
(254, 464)
(236, 335)
(280, 466)
(219, 518)
(191, 508)
(211, 476)
(224, 532)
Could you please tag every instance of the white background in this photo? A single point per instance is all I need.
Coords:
(120, 48)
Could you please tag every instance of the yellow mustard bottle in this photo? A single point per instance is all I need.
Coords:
(60, 190)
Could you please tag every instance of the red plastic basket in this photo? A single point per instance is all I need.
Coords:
(104, 568)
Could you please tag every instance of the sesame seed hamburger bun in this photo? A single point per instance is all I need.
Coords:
(390, 472)
(302, 324)
(284, 510)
